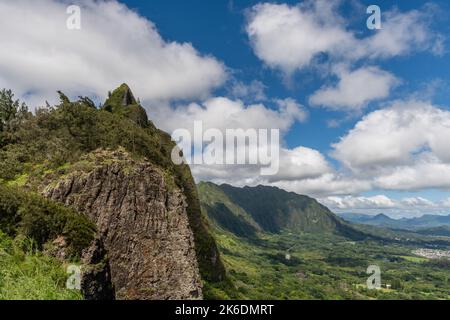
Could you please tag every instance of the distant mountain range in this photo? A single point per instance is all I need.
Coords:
(249, 210)
(427, 224)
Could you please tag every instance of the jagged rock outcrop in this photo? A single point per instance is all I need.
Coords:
(144, 245)
(123, 102)
(96, 283)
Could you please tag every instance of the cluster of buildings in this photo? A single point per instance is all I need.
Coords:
(432, 253)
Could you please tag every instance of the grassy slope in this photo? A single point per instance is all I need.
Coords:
(30, 215)
(26, 274)
(28, 224)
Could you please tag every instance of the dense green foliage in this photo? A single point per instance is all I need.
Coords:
(224, 213)
(32, 216)
(11, 112)
(27, 274)
(123, 96)
(59, 135)
(38, 149)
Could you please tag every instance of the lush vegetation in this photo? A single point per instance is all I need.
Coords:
(436, 231)
(35, 145)
(248, 210)
(27, 274)
(293, 264)
(327, 267)
(30, 215)
(37, 149)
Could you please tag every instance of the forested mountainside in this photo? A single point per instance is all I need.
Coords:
(96, 186)
(247, 210)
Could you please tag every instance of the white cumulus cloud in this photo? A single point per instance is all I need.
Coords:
(355, 89)
(290, 38)
(40, 55)
(254, 91)
(406, 207)
(403, 146)
(401, 33)
(224, 113)
(351, 202)
(326, 184)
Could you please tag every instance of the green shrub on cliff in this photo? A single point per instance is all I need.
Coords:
(39, 219)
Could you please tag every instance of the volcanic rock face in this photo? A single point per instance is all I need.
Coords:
(144, 244)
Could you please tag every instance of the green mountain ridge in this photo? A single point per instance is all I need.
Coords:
(248, 210)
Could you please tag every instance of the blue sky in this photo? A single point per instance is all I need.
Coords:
(229, 46)
(217, 28)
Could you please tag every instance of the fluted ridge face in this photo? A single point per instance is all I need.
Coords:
(142, 223)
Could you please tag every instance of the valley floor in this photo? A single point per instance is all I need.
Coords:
(318, 266)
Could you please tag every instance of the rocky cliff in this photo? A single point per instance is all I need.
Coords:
(142, 227)
(113, 166)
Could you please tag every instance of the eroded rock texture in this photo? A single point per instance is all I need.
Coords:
(143, 228)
